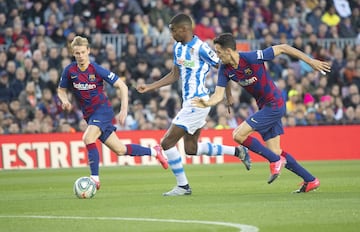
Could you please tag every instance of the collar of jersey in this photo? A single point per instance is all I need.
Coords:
(192, 42)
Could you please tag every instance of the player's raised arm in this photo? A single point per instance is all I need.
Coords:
(123, 92)
(168, 79)
(217, 97)
(291, 51)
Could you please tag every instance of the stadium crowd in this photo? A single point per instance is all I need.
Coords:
(34, 39)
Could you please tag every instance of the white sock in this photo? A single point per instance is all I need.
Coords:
(96, 178)
(153, 152)
(214, 149)
(175, 163)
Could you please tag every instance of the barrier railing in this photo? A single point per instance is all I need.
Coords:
(119, 41)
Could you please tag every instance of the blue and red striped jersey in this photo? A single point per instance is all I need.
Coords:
(88, 86)
(251, 74)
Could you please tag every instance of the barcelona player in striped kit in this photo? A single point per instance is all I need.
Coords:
(248, 70)
(192, 61)
(85, 80)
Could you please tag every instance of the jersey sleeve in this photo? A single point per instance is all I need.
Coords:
(106, 75)
(208, 55)
(258, 56)
(222, 78)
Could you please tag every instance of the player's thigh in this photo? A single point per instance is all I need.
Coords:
(91, 134)
(172, 136)
(191, 142)
(114, 143)
(242, 132)
(274, 144)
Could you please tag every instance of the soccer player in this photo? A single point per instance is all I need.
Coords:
(85, 80)
(248, 70)
(192, 61)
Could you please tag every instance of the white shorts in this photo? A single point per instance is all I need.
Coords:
(191, 118)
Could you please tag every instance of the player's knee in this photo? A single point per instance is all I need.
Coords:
(88, 140)
(120, 152)
(191, 151)
(277, 151)
(237, 137)
(165, 145)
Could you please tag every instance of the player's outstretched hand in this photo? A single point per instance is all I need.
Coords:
(321, 66)
(142, 88)
(198, 102)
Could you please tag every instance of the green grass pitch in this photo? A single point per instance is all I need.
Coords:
(224, 197)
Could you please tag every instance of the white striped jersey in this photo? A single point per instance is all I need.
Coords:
(194, 60)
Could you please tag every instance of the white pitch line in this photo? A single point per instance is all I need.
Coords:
(242, 227)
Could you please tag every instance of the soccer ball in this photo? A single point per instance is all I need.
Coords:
(84, 187)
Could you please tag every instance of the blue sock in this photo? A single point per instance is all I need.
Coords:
(93, 155)
(296, 168)
(254, 145)
(137, 150)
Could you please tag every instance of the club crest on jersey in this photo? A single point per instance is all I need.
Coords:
(248, 71)
(92, 77)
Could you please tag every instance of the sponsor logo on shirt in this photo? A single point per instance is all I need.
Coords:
(248, 81)
(73, 77)
(186, 63)
(84, 86)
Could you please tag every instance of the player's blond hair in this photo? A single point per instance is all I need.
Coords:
(79, 41)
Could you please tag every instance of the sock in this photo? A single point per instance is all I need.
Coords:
(214, 149)
(254, 145)
(175, 163)
(96, 178)
(296, 168)
(137, 150)
(93, 155)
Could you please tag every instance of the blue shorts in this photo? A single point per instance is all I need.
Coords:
(267, 121)
(103, 118)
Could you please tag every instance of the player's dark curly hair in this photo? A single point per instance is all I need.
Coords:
(181, 18)
(226, 40)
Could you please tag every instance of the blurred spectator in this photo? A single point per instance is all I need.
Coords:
(35, 13)
(167, 101)
(293, 98)
(161, 32)
(35, 37)
(204, 30)
(309, 100)
(53, 9)
(18, 84)
(27, 97)
(141, 70)
(346, 29)
(5, 92)
(222, 123)
(342, 8)
(159, 11)
(330, 16)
